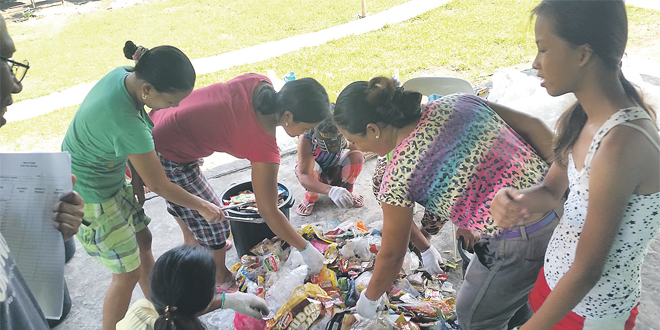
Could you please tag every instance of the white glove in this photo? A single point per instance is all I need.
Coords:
(341, 196)
(313, 258)
(367, 308)
(432, 260)
(246, 304)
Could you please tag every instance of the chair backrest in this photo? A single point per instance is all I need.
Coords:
(438, 85)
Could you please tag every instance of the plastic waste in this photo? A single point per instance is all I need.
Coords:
(362, 281)
(282, 287)
(244, 322)
(448, 287)
(291, 76)
(524, 93)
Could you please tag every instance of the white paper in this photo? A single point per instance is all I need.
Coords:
(30, 183)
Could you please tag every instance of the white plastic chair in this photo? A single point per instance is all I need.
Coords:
(438, 85)
(441, 86)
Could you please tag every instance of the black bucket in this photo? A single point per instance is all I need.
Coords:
(249, 229)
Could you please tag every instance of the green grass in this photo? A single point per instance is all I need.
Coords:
(87, 46)
(471, 37)
(43, 133)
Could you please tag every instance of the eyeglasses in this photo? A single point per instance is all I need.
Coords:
(18, 68)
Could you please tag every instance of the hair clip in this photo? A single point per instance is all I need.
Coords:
(139, 52)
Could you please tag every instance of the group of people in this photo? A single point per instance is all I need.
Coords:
(499, 175)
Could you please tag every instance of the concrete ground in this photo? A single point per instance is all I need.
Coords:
(88, 280)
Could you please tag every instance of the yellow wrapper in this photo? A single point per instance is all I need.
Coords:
(300, 310)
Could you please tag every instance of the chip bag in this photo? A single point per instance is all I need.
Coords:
(301, 311)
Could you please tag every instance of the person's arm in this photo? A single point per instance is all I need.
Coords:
(68, 213)
(470, 237)
(418, 239)
(511, 206)
(264, 184)
(137, 183)
(149, 168)
(397, 224)
(530, 128)
(613, 178)
(305, 168)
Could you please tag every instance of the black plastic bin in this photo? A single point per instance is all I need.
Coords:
(249, 229)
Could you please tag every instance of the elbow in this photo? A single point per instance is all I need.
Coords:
(157, 188)
(588, 275)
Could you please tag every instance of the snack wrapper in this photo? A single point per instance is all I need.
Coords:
(402, 324)
(301, 311)
(326, 279)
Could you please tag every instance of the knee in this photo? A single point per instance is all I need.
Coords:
(355, 157)
(128, 279)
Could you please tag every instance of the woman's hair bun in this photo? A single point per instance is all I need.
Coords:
(129, 49)
(380, 90)
(391, 101)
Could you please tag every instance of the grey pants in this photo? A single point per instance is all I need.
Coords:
(491, 296)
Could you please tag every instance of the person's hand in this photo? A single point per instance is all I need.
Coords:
(432, 260)
(341, 196)
(68, 213)
(246, 304)
(506, 210)
(313, 258)
(212, 213)
(469, 238)
(367, 308)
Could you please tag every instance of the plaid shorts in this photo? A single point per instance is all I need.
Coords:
(110, 236)
(190, 177)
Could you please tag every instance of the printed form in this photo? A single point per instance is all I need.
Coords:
(30, 183)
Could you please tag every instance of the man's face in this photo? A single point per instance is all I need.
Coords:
(8, 83)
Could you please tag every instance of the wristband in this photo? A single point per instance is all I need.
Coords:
(305, 248)
(222, 304)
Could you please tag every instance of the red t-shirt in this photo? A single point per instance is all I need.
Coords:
(218, 117)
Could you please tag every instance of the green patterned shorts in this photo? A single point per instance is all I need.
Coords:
(110, 236)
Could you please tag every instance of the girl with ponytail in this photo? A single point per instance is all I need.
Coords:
(238, 117)
(451, 156)
(182, 288)
(608, 156)
(110, 129)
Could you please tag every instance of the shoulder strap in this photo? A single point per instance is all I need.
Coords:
(643, 131)
(623, 117)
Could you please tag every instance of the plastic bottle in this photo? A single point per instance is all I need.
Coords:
(289, 77)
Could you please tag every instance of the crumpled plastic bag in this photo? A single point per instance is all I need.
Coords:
(524, 93)
(244, 322)
(410, 263)
(282, 286)
(381, 322)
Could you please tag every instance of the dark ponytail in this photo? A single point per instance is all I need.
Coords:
(305, 98)
(182, 286)
(265, 101)
(167, 68)
(603, 25)
(380, 101)
(174, 321)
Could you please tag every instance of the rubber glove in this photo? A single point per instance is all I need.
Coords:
(341, 196)
(246, 304)
(313, 258)
(432, 260)
(367, 308)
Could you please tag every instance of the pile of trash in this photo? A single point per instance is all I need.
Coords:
(277, 273)
(246, 201)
